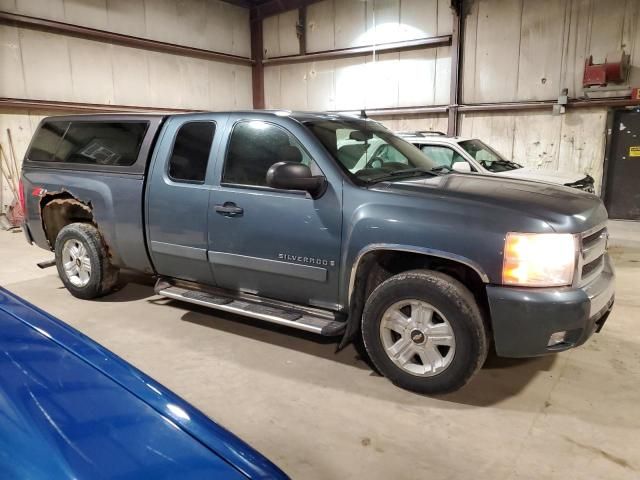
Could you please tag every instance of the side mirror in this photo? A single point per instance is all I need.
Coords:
(462, 167)
(295, 176)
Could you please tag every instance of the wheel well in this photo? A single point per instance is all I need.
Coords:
(378, 265)
(59, 210)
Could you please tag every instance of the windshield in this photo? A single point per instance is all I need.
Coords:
(487, 157)
(368, 152)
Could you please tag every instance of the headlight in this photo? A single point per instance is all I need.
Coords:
(539, 259)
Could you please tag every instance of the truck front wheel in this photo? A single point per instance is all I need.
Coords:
(83, 263)
(423, 330)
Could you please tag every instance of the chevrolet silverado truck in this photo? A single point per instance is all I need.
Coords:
(264, 214)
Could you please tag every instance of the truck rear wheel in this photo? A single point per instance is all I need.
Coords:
(82, 261)
(423, 330)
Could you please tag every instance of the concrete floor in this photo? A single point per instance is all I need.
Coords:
(321, 415)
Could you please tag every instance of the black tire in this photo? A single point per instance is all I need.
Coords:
(455, 302)
(103, 276)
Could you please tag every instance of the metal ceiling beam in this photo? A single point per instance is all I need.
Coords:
(25, 103)
(117, 38)
(359, 51)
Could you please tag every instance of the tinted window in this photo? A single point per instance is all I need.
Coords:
(443, 156)
(368, 151)
(254, 147)
(488, 158)
(99, 143)
(190, 154)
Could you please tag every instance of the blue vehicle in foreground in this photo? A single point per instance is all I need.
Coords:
(71, 409)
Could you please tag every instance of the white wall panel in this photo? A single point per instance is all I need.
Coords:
(8, 5)
(164, 79)
(131, 76)
(272, 89)
(287, 33)
(542, 31)
(443, 76)
(47, 70)
(50, 9)
(11, 76)
(387, 80)
(89, 13)
(221, 87)
(417, 76)
(185, 22)
(271, 37)
(126, 17)
(382, 81)
(321, 93)
(350, 23)
(192, 17)
(194, 84)
(320, 26)
(92, 75)
(241, 32)
(350, 78)
(293, 79)
(445, 17)
(61, 68)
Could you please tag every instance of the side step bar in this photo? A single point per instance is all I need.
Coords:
(303, 318)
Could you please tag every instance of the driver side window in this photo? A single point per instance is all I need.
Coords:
(255, 146)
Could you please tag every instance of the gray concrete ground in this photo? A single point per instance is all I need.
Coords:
(321, 415)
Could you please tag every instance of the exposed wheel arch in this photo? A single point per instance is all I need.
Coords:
(376, 263)
(61, 209)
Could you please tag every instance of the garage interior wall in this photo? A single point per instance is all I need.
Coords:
(410, 78)
(513, 51)
(40, 65)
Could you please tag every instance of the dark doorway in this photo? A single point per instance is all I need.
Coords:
(622, 188)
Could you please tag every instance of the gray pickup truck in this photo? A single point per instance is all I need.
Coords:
(281, 216)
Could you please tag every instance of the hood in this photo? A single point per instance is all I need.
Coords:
(552, 176)
(72, 409)
(563, 209)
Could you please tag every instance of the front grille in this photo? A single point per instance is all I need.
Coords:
(589, 268)
(592, 250)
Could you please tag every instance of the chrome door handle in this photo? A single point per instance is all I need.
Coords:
(229, 209)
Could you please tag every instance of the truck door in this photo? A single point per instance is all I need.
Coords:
(178, 196)
(278, 244)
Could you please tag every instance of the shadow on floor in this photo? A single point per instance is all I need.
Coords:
(131, 287)
(498, 380)
(281, 336)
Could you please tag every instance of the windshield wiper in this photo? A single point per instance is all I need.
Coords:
(405, 172)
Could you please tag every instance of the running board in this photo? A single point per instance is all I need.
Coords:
(303, 318)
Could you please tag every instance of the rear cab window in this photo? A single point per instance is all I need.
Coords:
(190, 154)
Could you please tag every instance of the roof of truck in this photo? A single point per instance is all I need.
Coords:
(297, 115)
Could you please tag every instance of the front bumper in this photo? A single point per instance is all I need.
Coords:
(523, 319)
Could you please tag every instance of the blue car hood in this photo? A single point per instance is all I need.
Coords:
(69, 408)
